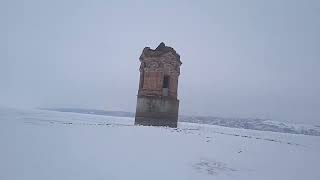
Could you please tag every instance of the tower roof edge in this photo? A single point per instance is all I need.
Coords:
(161, 50)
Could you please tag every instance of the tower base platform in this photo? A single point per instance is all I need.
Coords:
(157, 111)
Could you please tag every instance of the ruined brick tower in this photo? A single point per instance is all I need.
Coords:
(157, 103)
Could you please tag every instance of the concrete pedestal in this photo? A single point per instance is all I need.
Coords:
(157, 111)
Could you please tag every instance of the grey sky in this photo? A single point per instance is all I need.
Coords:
(240, 58)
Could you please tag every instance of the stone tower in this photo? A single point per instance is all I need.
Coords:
(157, 103)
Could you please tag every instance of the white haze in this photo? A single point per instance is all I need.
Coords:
(240, 58)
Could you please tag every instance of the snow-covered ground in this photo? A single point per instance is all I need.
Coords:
(242, 123)
(39, 144)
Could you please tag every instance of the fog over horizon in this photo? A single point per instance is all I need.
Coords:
(258, 59)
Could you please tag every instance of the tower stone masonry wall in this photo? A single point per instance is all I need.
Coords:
(157, 104)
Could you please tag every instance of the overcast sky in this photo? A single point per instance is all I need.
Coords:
(240, 58)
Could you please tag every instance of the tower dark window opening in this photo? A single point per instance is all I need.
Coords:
(165, 82)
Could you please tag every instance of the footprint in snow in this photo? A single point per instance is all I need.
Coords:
(211, 167)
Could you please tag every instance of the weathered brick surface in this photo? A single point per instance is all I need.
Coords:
(153, 103)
